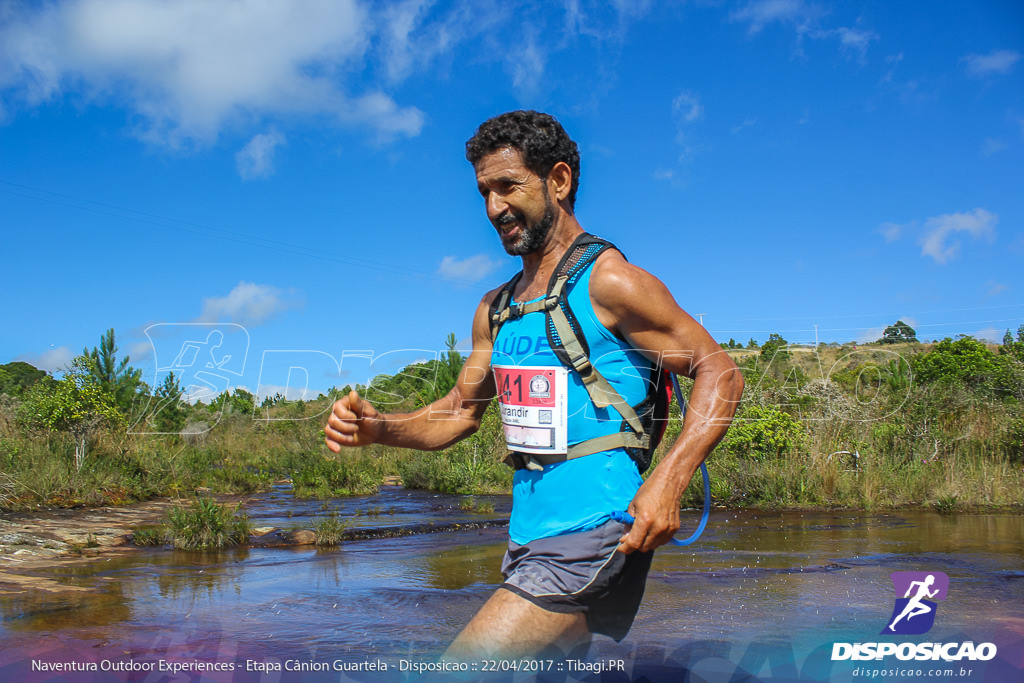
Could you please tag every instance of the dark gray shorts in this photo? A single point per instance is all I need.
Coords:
(581, 572)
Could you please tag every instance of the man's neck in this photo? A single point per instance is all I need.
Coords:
(541, 263)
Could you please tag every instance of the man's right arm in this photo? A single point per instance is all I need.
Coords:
(355, 422)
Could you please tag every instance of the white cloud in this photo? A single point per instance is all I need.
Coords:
(139, 351)
(189, 69)
(806, 20)
(402, 52)
(757, 15)
(995, 62)
(871, 334)
(247, 303)
(747, 123)
(995, 288)
(892, 61)
(892, 231)
(471, 269)
(979, 224)
(989, 334)
(51, 360)
(256, 159)
(687, 107)
(527, 65)
(855, 41)
(289, 392)
(686, 110)
(992, 146)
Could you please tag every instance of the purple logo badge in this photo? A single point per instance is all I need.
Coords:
(917, 593)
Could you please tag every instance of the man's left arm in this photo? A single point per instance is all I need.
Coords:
(639, 307)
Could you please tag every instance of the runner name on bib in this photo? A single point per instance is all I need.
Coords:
(533, 407)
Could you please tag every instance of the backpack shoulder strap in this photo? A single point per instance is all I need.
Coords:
(500, 307)
(569, 344)
(564, 333)
(565, 336)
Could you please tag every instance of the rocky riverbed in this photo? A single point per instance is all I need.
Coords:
(31, 543)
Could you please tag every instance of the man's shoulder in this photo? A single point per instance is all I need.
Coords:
(612, 273)
(492, 294)
(483, 309)
(621, 290)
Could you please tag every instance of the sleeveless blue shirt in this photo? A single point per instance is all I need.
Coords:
(581, 493)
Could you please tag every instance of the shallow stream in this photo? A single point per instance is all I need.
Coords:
(762, 593)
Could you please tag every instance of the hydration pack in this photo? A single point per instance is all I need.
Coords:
(643, 425)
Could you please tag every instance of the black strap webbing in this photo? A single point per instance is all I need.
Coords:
(569, 344)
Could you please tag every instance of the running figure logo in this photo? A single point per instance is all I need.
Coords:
(914, 613)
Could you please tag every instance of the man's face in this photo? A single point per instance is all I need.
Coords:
(518, 203)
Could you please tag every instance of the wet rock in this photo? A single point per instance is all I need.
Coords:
(300, 537)
(18, 539)
(54, 545)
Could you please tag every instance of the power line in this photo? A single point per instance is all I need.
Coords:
(870, 315)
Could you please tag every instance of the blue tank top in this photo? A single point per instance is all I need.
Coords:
(577, 494)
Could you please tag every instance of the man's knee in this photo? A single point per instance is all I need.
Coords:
(509, 625)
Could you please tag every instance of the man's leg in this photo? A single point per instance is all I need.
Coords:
(509, 626)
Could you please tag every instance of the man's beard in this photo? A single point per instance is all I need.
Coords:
(531, 237)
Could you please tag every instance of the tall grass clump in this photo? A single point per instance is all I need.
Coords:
(329, 530)
(348, 474)
(207, 525)
(472, 466)
(151, 535)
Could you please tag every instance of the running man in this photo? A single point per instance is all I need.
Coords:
(570, 569)
(915, 607)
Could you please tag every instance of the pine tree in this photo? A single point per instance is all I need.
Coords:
(118, 379)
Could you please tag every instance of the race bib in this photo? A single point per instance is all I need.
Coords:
(533, 407)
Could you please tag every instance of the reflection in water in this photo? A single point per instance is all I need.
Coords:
(797, 578)
(471, 564)
(56, 612)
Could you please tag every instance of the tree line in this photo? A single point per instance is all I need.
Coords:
(100, 433)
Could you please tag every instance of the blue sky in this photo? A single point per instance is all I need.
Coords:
(292, 175)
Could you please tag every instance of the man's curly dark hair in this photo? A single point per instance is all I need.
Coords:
(538, 137)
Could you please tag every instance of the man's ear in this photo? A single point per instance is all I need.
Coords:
(561, 179)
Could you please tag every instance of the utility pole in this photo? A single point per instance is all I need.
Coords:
(701, 316)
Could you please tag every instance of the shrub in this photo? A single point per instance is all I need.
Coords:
(319, 477)
(1013, 441)
(207, 525)
(148, 536)
(763, 433)
(969, 363)
(329, 530)
(473, 465)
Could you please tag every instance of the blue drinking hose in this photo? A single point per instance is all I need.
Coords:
(626, 518)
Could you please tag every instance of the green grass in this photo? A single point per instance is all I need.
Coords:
(151, 536)
(329, 530)
(939, 445)
(207, 525)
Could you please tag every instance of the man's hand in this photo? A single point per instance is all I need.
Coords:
(353, 422)
(655, 511)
